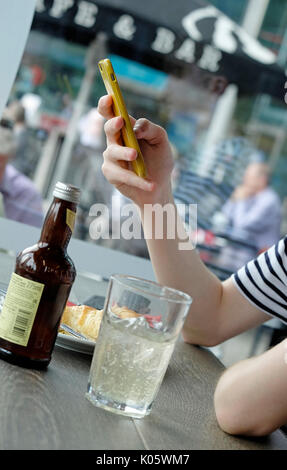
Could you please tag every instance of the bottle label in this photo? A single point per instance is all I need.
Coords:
(70, 219)
(19, 309)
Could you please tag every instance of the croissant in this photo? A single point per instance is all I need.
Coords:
(87, 320)
(83, 319)
(124, 312)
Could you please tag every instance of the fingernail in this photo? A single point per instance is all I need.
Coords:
(149, 185)
(133, 154)
(119, 121)
(138, 132)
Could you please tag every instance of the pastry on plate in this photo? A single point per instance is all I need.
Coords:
(87, 320)
(83, 319)
(124, 312)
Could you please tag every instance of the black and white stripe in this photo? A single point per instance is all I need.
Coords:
(263, 281)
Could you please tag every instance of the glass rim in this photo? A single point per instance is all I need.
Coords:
(186, 298)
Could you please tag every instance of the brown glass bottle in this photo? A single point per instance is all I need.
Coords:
(33, 309)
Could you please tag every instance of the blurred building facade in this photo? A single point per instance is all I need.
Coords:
(53, 74)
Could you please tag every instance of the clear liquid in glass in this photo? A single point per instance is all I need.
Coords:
(129, 364)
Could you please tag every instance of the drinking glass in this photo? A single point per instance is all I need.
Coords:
(140, 325)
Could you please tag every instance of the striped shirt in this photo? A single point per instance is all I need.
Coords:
(263, 281)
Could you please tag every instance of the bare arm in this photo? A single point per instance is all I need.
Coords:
(219, 311)
(251, 396)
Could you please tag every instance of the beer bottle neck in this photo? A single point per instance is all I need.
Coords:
(59, 222)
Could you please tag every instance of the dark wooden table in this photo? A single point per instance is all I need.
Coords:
(49, 410)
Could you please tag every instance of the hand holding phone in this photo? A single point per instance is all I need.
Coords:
(119, 108)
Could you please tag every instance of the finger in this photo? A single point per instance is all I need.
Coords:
(113, 129)
(105, 106)
(145, 129)
(117, 153)
(119, 176)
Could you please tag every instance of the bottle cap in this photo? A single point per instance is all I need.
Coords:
(67, 192)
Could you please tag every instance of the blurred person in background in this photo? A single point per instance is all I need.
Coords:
(87, 160)
(26, 150)
(21, 200)
(254, 209)
(91, 130)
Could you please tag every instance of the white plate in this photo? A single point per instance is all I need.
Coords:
(86, 285)
(75, 344)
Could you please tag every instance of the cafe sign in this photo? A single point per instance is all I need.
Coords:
(166, 35)
(225, 36)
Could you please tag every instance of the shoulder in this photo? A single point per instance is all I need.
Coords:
(264, 280)
(271, 196)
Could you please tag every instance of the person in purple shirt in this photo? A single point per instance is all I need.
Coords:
(21, 201)
(254, 210)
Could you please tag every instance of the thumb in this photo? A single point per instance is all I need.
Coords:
(145, 129)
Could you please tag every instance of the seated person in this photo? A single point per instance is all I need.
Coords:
(254, 210)
(251, 396)
(21, 200)
(26, 151)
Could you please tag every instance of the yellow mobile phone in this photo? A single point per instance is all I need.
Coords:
(119, 108)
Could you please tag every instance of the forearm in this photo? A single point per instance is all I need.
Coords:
(177, 264)
(250, 398)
